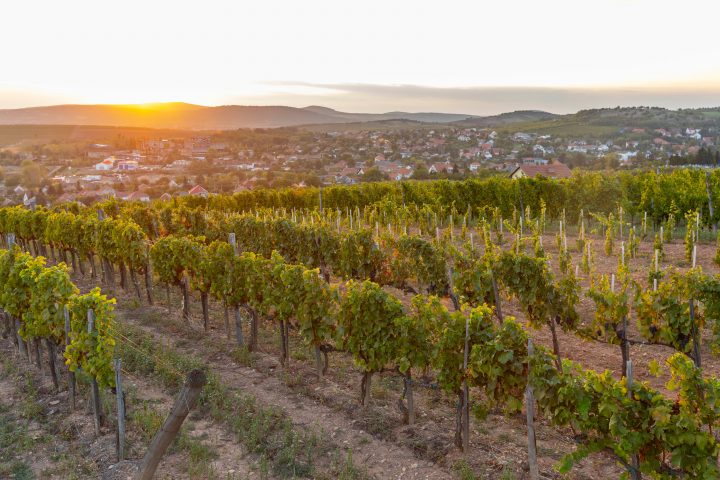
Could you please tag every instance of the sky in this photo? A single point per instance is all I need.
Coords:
(473, 56)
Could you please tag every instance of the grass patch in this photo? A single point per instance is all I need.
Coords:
(14, 440)
(265, 431)
(243, 356)
(146, 420)
(463, 470)
(348, 470)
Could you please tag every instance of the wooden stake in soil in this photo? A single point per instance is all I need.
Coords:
(71, 375)
(530, 412)
(22, 346)
(635, 461)
(496, 294)
(238, 327)
(95, 389)
(466, 393)
(184, 402)
(50, 345)
(120, 411)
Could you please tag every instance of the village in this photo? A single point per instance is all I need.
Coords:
(228, 162)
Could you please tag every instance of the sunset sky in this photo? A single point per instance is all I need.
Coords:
(474, 57)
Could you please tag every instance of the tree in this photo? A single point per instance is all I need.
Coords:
(373, 175)
(32, 174)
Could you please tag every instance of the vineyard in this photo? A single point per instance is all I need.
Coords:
(587, 308)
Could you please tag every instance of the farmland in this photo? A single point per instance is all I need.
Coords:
(333, 336)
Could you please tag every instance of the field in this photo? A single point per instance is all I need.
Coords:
(267, 411)
(156, 344)
(16, 135)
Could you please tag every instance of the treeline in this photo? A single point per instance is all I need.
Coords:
(704, 156)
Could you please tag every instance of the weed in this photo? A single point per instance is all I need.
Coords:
(14, 440)
(464, 471)
(347, 470)
(507, 474)
(30, 408)
(243, 356)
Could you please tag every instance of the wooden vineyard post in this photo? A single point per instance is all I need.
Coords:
(71, 375)
(635, 461)
(95, 389)
(50, 345)
(226, 313)
(530, 412)
(148, 281)
(693, 323)
(496, 294)
(184, 402)
(466, 392)
(120, 411)
(23, 348)
(239, 338)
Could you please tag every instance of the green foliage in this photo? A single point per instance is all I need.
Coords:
(449, 350)
(18, 271)
(316, 309)
(172, 256)
(472, 277)
(418, 333)
(542, 298)
(52, 290)
(366, 322)
(611, 307)
(498, 367)
(92, 351)
(664, 315)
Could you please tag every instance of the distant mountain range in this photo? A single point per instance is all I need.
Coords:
(197, 117)
(185, 116)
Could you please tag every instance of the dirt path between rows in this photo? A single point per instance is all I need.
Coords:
(380, 458)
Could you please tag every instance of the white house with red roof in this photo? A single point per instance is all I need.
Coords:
(106, 164)
(198, 191)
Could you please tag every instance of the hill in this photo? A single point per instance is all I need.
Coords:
(509, 118)
(606, 121)
(197, 117)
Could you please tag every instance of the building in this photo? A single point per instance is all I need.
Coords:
(554, 170)
(127, 165)
(106, 164)
(138, 197)
(198, 191)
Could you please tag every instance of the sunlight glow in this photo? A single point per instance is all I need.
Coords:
(221, 52)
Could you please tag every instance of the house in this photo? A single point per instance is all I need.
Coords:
(554, 170)
(474, 167)
(138, 197)
(198, 191)
(127, 165)
(441, 167)
(180, 164)
(19, 190)
(106, 164)
(535, 161)
(165, 197)
(66, 198)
